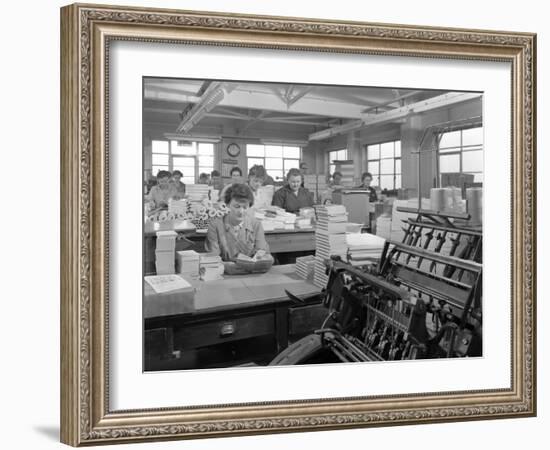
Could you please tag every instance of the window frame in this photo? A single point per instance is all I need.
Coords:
(459, 150)
(282, 158)
(376, 177)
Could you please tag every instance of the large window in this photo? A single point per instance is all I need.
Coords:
(384, 163)
(336, 155)
(277, 159)
(461, 151)
(190, 158)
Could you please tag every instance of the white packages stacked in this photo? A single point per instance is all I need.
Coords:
(330, 238)
(275, 218)
(364, 248)
(188, 264)
(178, 208)
(165, 252)
(197, 192)
(210, 267)
(305, 266)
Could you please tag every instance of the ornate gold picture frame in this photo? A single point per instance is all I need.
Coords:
(87, 31)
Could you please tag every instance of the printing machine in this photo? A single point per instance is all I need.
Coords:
(420, 301)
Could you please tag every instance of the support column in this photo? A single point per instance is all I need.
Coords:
(355, 152)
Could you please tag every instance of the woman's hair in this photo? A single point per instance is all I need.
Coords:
(257, 171)
(163, 174)
(236, 169)
(335, 174)
(215, 173)
(203, 176)
(365, 175)
(239, 192)
(293, 173)
(177, 172)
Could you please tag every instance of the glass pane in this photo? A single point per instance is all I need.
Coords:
(277, 175)
(386, 150)
(472, 161)
(183, 148)
(332, 168)
(179, 161)
(206, 149)
(397, 181)
(206, 161)
(255, 161)
(373, 151)
(451, 139)
(386, 181)
(291, 164)
(188, 180)
(274, 163)
(397, 166)
(157, 168)
(397, 148)
(160, 147)
(472, 136)
(342, 155)
(372, 167)
(386, 165)
(449, 163)
(160, 160)
(254, 150)
(274, 151)
(291, 152)
(206, 169)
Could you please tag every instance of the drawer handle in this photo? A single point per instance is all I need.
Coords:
(227, 329)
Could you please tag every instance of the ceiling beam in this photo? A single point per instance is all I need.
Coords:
(396, 114)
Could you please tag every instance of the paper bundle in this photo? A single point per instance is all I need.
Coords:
(188, 263)
(305, 266)
(364, 248)
(165, 252)
(210, 267)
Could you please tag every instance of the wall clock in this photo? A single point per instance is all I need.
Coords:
(233, 150)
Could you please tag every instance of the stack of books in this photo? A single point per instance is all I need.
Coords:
(383, 227)
(197, 192)
(177, 207)
(210, 267)
(364, 248)
(188, 264)
(275, 218)
(303, 223)
(305, 266)
(330, 238)
(165, 252)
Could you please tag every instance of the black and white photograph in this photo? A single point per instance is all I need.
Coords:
(290, 224)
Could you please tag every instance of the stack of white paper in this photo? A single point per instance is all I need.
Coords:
(303, 222)
(177, 207)
(197, 192)
(166, 283)
(165, 252)
(330, 238)
(305, 266)
(188, 263)
(210, 267)
(364, 248)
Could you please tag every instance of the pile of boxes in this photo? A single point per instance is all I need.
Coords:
(188, 264)
(165, 252)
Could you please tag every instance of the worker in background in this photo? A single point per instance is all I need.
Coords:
(336, 180)
(204, 178)
(237, 231)
(304, 169)
(179, 186)
(366, 180)
(236, 175)
(215, 180)
(163, 191)
(292, 196)
(256, 179)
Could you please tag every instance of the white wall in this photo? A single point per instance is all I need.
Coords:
(30, 244)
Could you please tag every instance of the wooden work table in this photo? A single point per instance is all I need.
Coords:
(241, 318)
(279, 241)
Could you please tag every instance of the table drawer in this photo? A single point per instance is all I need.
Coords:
(305, 319)
(203, 334)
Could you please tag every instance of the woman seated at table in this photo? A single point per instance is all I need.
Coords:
(179, 186)
(256, 182)
(292, 196)
(366, 180)
(163, 191)
(236, 232)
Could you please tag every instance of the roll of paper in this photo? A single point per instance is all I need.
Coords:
(438, 199)
(474, 203)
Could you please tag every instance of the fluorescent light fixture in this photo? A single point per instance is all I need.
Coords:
(192, 137)
(288, 142)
